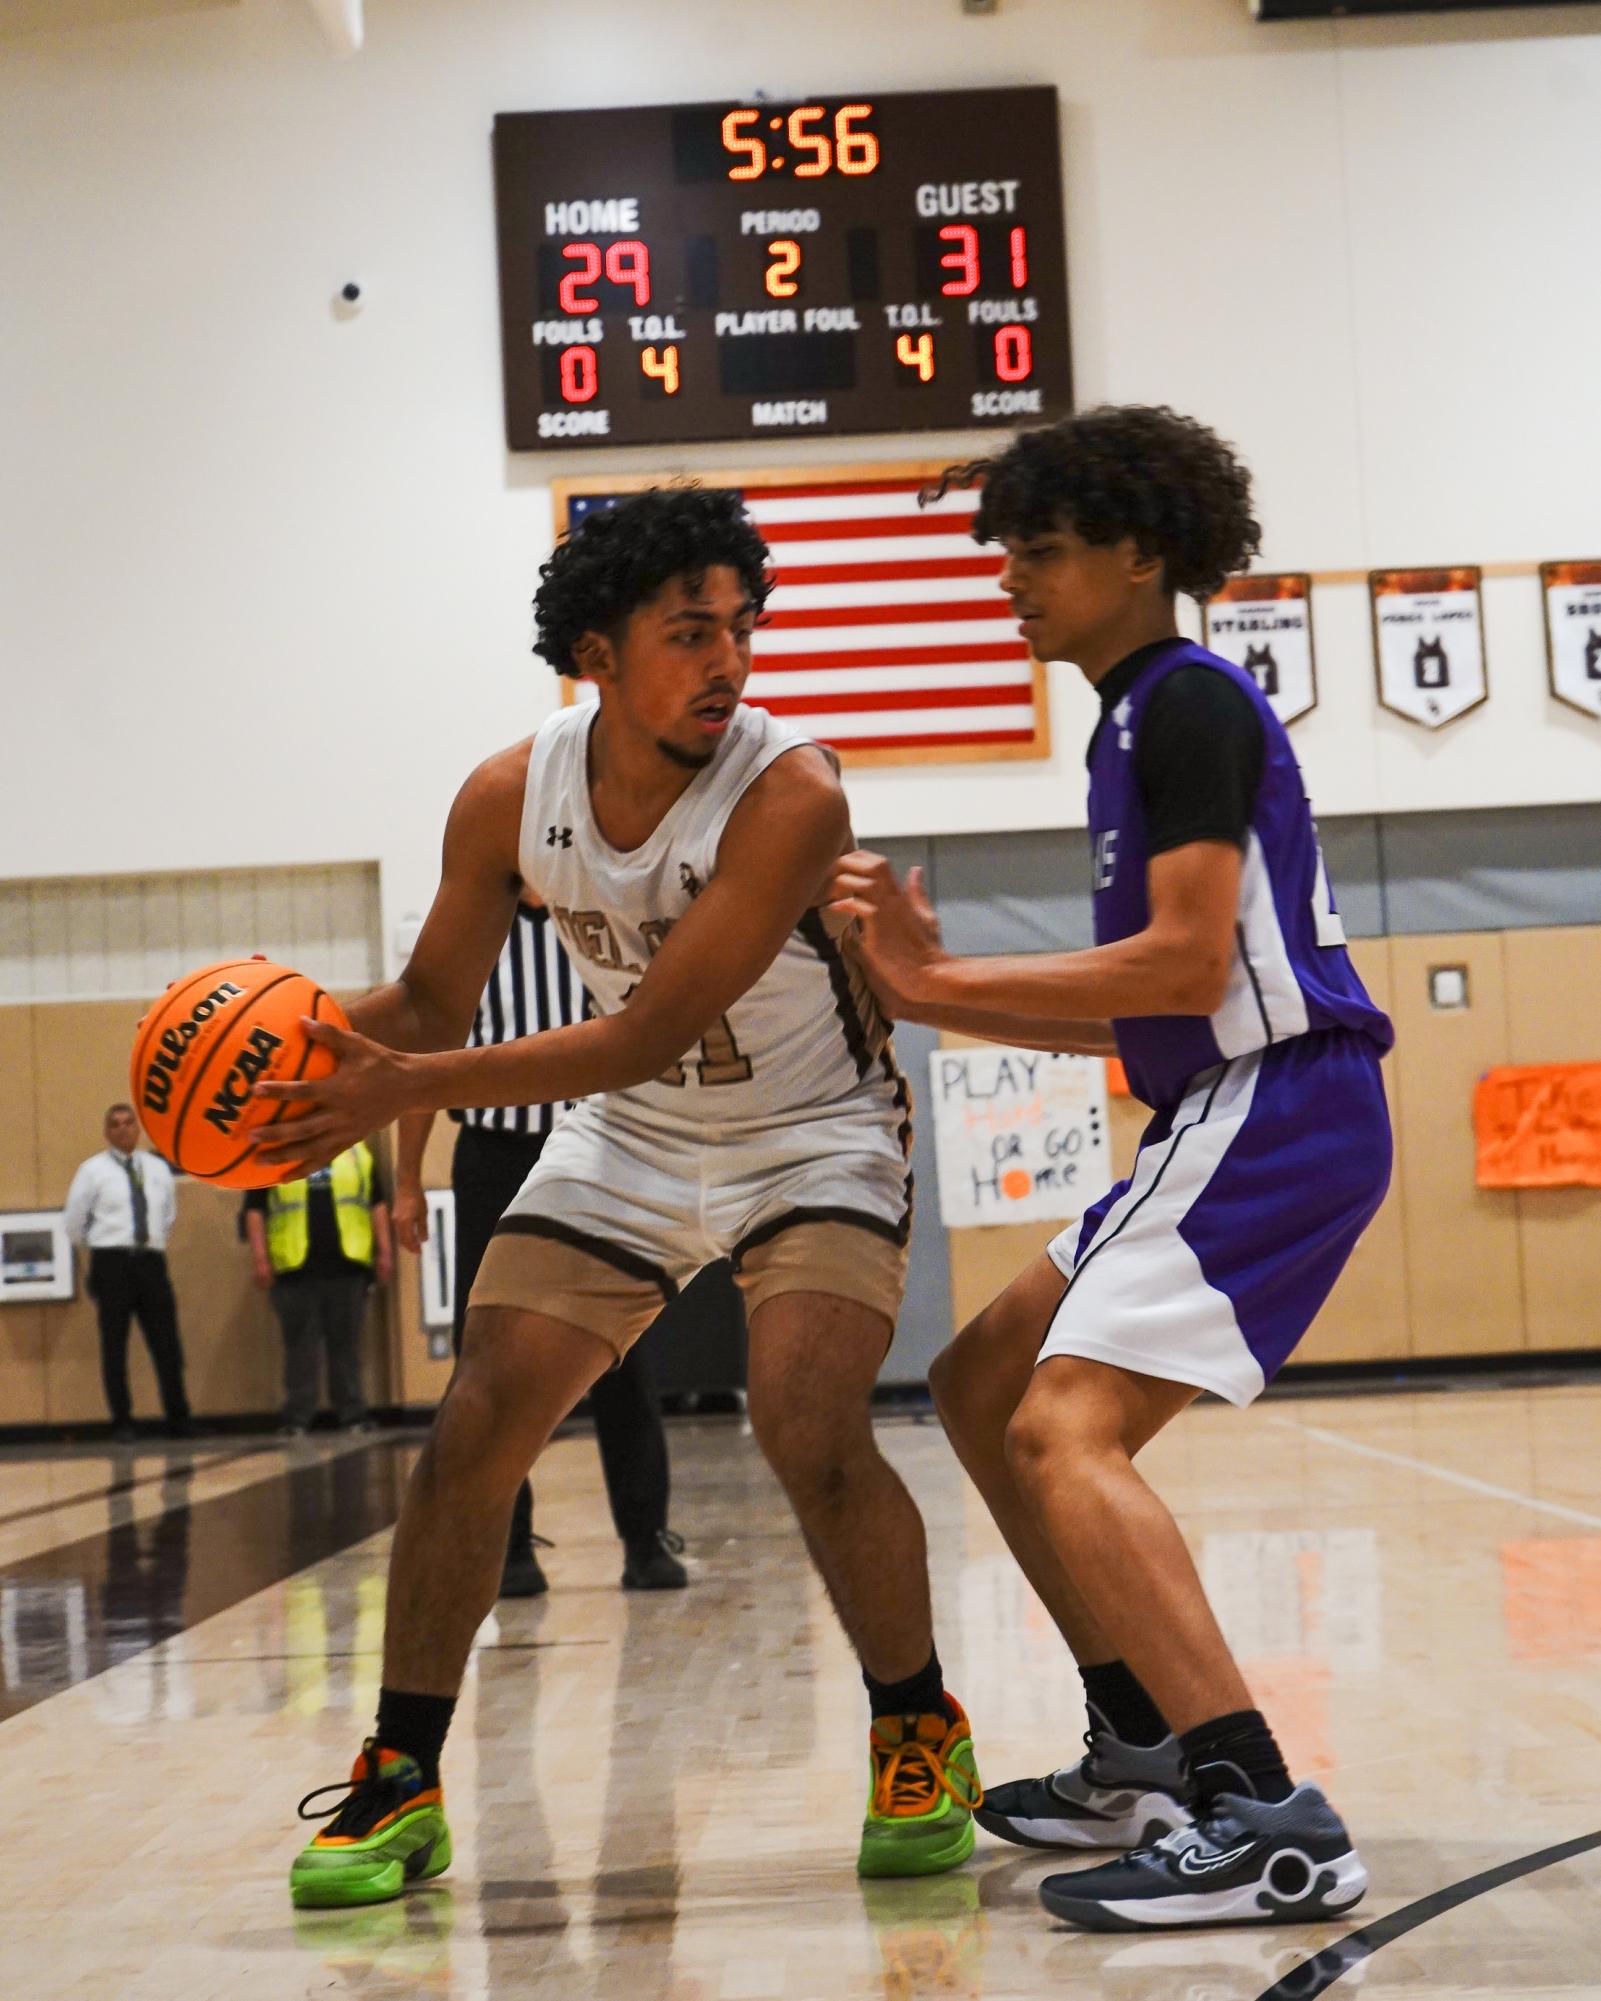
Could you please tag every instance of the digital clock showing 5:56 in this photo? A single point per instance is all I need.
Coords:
(860, 263)
(802, 144)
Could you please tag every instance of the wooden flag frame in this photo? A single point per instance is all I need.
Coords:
(564, 490)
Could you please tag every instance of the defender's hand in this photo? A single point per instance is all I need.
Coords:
(362, 1096)
(899, 936)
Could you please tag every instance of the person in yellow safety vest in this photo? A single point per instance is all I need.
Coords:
(317, 1245)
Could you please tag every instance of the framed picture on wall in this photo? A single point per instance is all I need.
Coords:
(1428, 642)
(887, 636)
(1264, 624)
(1572, 593)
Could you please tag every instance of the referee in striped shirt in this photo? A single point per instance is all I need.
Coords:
(533, 987)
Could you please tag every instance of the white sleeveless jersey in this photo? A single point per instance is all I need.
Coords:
(803, 1042)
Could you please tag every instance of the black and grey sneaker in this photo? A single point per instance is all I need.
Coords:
(653, 1565)
(1117, 1796)
(1239, 1862)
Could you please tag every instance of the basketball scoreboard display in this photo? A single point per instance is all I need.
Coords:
(717, 271)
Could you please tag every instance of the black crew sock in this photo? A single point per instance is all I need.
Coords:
(416, 1725)
(1118, 1695)
(921, 1694)
(1236, 1753)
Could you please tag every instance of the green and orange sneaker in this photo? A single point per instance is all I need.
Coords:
(922, 1789)
(388, 1831)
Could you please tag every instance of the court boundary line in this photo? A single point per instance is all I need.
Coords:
(113, 1488)
(1337, 1960)
(1464, 1480)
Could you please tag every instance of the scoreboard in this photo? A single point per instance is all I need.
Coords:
(848, 264)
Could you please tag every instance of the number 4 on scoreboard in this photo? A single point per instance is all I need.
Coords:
(918, 354)
(661, 365)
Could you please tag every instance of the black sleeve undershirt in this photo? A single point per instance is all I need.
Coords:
(1198, 761)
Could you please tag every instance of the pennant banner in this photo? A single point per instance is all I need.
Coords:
(1264, 624)
(1428, 638)
(1573, 632)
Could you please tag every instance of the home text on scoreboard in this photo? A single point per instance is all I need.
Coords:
(849, 264)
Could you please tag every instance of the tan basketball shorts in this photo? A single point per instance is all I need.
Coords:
(617, 1217)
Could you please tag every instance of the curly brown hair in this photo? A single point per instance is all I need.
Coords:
(619, 557)
(1131, 469)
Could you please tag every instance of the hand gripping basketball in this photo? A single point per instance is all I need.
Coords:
(320, 1117)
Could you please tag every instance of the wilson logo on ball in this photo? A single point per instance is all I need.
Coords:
(199, 1052)
(167, 1058)
(233, 1095)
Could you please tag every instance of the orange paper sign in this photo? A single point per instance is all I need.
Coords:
(1539, 1126)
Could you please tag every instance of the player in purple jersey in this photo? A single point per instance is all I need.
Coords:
(1220, 975)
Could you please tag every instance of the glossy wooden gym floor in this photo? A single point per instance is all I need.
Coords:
(657, 1798)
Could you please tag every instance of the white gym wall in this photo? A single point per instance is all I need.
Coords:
(267, 564)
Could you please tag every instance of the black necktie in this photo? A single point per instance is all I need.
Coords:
(141, 1208)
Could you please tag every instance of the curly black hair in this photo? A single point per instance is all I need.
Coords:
(1130, 469)
(618, 558)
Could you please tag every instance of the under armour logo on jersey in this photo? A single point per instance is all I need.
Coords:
(688, 880)
(558, 837)
(1120, 716)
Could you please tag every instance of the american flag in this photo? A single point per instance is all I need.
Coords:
(887, 629)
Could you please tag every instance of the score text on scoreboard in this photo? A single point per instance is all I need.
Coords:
(710, 271)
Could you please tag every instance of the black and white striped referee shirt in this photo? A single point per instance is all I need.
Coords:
(532, 987)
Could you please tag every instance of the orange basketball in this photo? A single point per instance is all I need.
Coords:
(201, 1049)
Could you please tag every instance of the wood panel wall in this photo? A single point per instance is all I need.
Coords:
(1369, 1312)
(1446, 1269)
(61, 1064)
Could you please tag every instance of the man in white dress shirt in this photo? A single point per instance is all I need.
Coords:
(121, 1208)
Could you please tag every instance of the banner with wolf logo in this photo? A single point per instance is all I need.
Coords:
(1428, 642)
(1264, 624)
(1573, 632)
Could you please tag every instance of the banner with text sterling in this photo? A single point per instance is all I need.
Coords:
(1264, 624)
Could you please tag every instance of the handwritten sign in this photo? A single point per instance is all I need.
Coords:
(1020, 1137)
(1539, 1126)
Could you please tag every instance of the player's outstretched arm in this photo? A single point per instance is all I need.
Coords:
(1017, 1031)
(1069, 1038)
(776, 852)
(1179, 964)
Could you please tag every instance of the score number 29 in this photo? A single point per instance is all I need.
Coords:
(625, 264)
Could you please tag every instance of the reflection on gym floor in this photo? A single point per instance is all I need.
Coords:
(656, 1798)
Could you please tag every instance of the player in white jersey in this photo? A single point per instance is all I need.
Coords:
(741, 1100)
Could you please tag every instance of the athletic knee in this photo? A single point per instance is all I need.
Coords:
(477, 1438)
(1045, 1438)
(1032, 1443)
(1055, 1442)
(813, 1461)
